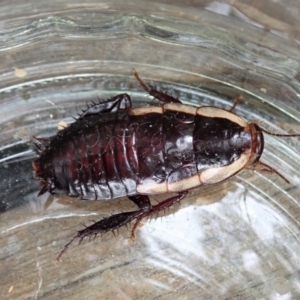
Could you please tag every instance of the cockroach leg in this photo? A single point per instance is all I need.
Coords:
(142, 201)
(111, 223)
(237, 100)
(141, 82)
(58, 258)
(39, 143)
(132, 236)
(260, 166)
(114, 222)
(156, 94)
(121, 101)
(156, 209)
(107, 224)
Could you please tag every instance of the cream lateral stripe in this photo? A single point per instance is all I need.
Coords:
(215, 175)
(184, 184)
(188, 109)
(179, 186)
(152, 188)
(145, 110)
(215, 112)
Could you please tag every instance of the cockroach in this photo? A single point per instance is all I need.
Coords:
(114, 150)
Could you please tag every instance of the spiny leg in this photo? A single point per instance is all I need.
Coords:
(142, 201)
(260, 166)
(40, 143)
(156, 94)
(237, 100)
(116, 221)
(113, 222)
(156, 209)
(169, 99)
(121, 101)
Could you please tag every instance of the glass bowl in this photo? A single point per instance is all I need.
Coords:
(235, 240)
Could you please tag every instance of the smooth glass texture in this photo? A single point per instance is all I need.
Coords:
(236, 240)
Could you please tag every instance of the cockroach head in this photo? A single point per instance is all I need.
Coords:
(258, 147)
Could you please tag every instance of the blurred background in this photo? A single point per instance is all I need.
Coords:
(236, 240)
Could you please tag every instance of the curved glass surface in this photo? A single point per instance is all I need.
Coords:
(235, 240)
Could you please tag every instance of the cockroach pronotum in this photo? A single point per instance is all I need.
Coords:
(114, 150)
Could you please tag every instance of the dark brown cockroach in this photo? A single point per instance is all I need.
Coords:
(114, 150)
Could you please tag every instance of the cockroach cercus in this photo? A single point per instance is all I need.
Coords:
(114, 150)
